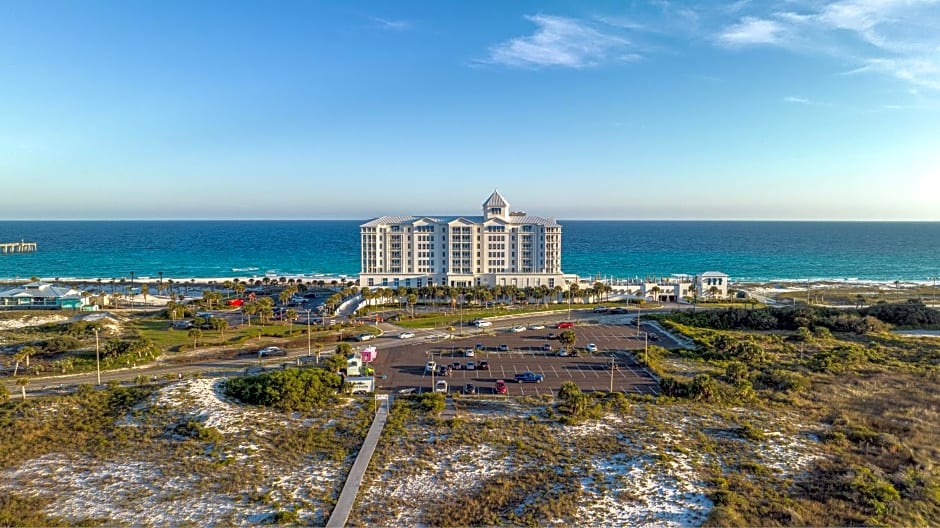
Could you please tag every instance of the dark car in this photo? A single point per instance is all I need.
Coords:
(483, 365)
(618, 310)
(504, 348)
(529, 377)
(547, 347)
(443, 370)
(480, 346)
(551, 336)
(457, 365)
(469, 388)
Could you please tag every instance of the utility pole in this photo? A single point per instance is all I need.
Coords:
(97, 357)
(612, 365)
(308, 332)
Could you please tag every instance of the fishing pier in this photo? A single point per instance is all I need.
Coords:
(17, 247)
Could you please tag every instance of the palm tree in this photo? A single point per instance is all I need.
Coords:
(713, 292)
(23, 382)
(220, 324)
(291, 316)
(655, 291)
(412, 301)
(22, 356)
(195, 333)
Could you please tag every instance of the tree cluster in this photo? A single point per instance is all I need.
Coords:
(287, 390)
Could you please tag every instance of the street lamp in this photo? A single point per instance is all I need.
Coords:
(97, 357)
(308, 332)
(646, 348)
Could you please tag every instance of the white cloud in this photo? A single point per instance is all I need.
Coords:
(797, 100)
(564, 42)
(752, 30)
(899, 38)
(392, 25)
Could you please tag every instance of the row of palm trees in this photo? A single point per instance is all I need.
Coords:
(483, 295)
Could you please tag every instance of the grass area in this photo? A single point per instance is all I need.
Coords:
(439, 320)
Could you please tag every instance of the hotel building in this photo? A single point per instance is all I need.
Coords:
(502, 247)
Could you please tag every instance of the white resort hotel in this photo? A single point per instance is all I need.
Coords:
(502, 247)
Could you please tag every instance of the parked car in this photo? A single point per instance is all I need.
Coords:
(500, 387)
(471, 365)
(468, 352)
(443, 370)
(272, 351)
(600, 309)
(547, 347)
(529, 377)
(483, 324)
(182, 325)
(479, 346)
(504, 348)
(565, 324)
(429, 367)
(483, 366)
(469, 388)
(551, 335)
(456, 365)
(234, 302)
(406, 335)
(365, 337)
(618, 310)
(536, 327)
(440, 386)
(562, 352)
(517, 329)
(591, 347)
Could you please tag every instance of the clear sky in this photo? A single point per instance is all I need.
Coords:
(784, 109)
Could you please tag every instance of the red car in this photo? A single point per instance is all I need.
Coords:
(234, 302)
(500, 387)
(564, 324)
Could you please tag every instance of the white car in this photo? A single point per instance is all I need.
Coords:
(440, 386)
(536, 327)
(406, 335)
(483, 324)
(471, 365)
(469, 352)
(430, 367)
(591, 347)
(517, 328)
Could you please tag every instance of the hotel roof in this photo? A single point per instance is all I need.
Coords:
(495, 200)
(512, 220)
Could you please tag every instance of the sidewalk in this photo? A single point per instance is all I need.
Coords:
(347, 497)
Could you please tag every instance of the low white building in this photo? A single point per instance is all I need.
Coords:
(41, 295)
(705, 286)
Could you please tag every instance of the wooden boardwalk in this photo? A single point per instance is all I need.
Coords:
(17, 247)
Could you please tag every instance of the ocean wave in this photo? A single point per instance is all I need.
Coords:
(250, 268)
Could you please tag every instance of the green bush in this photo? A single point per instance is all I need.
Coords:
(287, 390)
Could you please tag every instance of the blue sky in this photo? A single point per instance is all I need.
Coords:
(784, 109)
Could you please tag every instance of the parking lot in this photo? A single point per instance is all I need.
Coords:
(404, 366)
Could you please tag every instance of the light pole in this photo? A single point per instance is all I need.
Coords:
(460, 311)
(308, 332)
(612, 366)
(638, 319)
(97, 357)
(646, 348)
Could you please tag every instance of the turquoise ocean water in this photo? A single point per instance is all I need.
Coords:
(747, 251)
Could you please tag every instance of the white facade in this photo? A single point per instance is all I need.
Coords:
(501, 247)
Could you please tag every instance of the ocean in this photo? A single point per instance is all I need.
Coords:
(747, 251)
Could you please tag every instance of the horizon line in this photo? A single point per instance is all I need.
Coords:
(349, 219)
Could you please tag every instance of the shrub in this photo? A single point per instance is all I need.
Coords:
(287, 390)
(432, 402)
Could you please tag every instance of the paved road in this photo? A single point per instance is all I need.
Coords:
(347, 497)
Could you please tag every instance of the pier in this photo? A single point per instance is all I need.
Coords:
(17, 247)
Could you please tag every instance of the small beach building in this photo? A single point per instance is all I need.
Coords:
(712, 285)
(43, 296)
